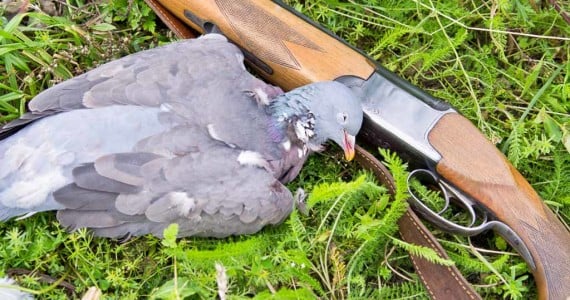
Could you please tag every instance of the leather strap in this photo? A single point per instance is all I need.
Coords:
(180, 29)
(440, 281)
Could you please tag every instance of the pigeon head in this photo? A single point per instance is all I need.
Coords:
(323, 111)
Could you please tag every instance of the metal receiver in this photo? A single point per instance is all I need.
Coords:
(401, 119)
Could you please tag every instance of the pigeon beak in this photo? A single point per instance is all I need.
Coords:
(348, 142)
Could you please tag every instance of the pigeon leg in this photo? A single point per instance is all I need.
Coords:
(299, 198)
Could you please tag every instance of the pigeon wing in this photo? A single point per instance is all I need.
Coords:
(210, 190)
(201, 81)
(147, 78)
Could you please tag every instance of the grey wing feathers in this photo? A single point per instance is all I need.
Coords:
(123, 167)
(86, 176)
(146, 78)
(207, 192)
(74, 197)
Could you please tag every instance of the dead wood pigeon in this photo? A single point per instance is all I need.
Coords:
(177, 134)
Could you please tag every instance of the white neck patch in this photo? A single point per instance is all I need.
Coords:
(305, 129)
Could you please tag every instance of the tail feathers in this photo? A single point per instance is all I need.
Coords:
(131, 229)
(7, 213)
(74, 219)
(14, 126)
(9, 290)
(6, 132)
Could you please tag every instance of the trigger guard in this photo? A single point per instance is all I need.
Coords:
(436, 219)
(437, 181)
(448, 192)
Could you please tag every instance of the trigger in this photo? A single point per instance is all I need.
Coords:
(466, 203)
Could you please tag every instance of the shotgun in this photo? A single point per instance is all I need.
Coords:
(289, 50)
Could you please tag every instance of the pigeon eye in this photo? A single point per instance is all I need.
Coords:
(342, 118)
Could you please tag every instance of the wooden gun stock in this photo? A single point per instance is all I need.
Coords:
(470, 162)
(283, 47)
(290, 50)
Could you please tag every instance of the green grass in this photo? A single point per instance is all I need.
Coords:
(504, 64)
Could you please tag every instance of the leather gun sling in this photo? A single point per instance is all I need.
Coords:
(441, 282)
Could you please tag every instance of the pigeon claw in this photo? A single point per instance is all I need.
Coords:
(300, 197)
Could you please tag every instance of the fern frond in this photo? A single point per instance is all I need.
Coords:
(226, 251)
(468, 264)
(339, 270)
(390, 39)
(399, 171)
(361, 257)
(406, 290)
(515, 143)
(326, 191)
(499, 40)
(502, 262)
(286, 293)
(421, 251)
(374, 232)
(298, 232)
(298, 267)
